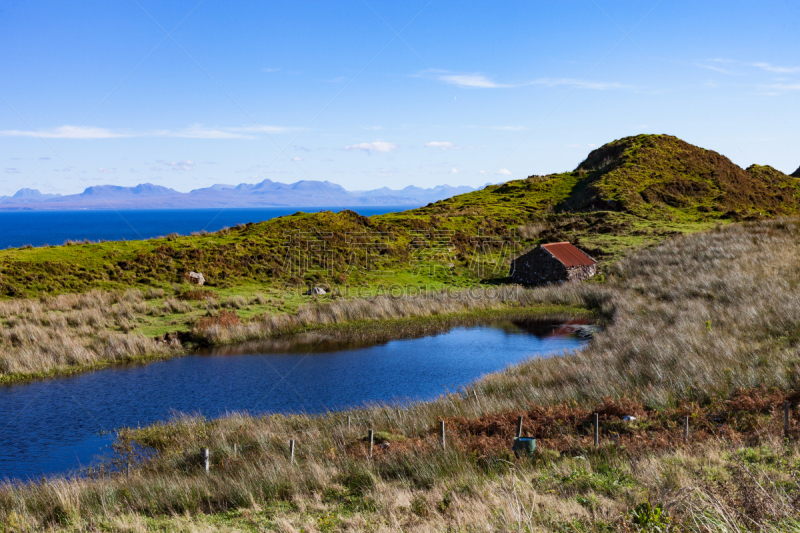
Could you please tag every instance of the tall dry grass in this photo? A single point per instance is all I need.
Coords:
(74, 330)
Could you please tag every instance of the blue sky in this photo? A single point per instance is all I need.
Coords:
(371, 93)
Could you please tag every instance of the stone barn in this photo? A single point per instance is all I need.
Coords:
(552, 263)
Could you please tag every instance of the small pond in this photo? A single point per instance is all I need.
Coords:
(59, 425)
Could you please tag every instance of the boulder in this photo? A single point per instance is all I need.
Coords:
(197, 277)
(313, 291)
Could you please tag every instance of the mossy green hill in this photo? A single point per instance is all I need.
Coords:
(627, 193)
(661, 176)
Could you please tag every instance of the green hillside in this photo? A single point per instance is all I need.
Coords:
(629, 192)
(660, 176)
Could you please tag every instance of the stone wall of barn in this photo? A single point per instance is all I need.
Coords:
(581, 273)
(537, 267)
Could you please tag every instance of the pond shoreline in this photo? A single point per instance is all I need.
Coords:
(371, 331)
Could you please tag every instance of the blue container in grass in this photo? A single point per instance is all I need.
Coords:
(524, 446)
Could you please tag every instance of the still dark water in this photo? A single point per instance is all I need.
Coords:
(18, 228)
(54, 426)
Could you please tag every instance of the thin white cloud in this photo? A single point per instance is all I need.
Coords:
(481, 81)
(453, 171)
(12, 170)
(372, 128)
(442, 145)
(507, 128)
(178, 166)
(43, 158)
(775, 68)
(107, 170)
(580, 84)
(199, 132)
(504, 172)
(297, 159)
(763, 65)
(270, 69)
(380, 147)
(63, 132)
(195, 131)
(472, 80)
(714, 68)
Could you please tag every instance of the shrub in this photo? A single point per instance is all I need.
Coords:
(224, 319)
(197, 294)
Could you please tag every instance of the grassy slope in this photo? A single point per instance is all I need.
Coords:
(628, 193)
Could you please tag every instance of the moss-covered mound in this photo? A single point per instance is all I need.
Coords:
(663, 176)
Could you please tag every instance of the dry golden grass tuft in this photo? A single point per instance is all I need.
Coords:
(74, 330)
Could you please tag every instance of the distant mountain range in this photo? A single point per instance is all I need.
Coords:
(265, 194)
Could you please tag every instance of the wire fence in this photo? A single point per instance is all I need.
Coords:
(604, 429)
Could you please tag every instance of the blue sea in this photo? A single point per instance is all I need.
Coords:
(37, 228)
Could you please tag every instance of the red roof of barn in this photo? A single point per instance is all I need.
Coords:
(568, 254)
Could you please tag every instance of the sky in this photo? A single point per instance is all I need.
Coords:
(370, 94)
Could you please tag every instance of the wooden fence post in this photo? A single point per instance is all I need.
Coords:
(348, 423)
(519, 426)
(441, 432)
(371, 441)
(596, 429)
(207, 459)
(291, 451)
(786, 419)
(686, 429)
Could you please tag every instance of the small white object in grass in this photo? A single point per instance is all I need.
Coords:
(629, 418)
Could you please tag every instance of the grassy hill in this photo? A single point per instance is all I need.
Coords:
(660, 176)
(629, 192)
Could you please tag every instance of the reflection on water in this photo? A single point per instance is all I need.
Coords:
(320, 342)
(53, 426)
